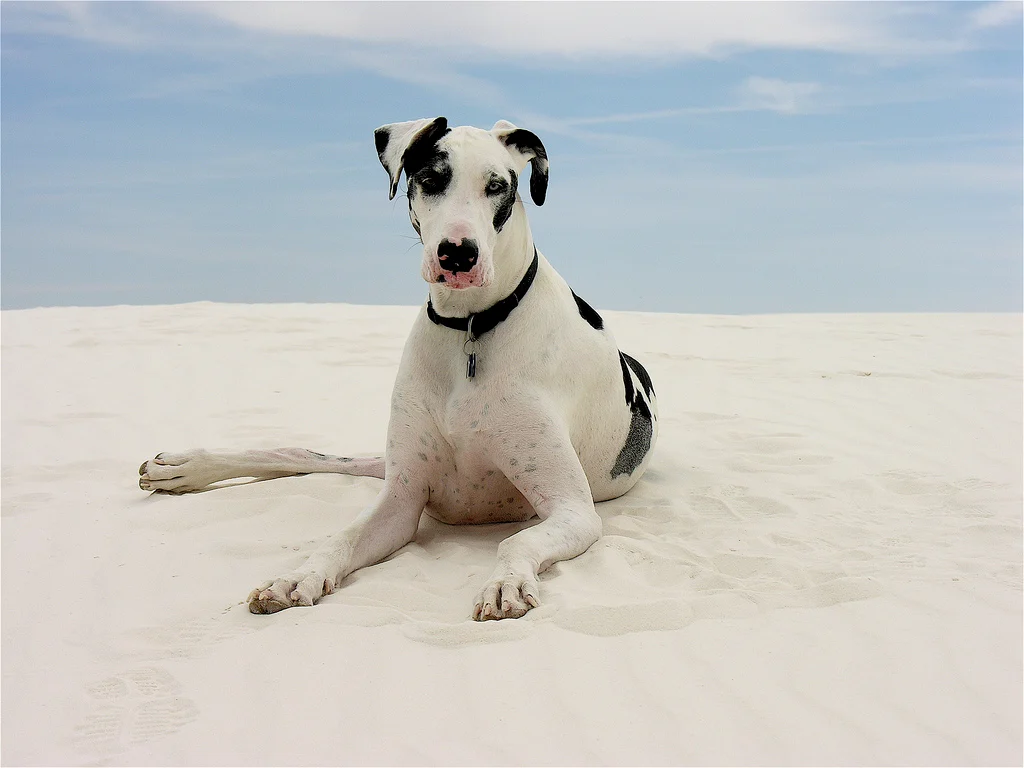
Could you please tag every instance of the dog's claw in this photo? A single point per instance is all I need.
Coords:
(509, 596)
(265, 604)
(288, 592)
(180, 472)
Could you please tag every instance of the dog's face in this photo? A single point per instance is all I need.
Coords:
(463, 186)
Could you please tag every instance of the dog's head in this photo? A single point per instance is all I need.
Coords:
(463, 186)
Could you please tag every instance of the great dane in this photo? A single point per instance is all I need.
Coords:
(511, 400)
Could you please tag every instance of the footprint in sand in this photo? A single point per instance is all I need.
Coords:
(132, 708)
(190, 637)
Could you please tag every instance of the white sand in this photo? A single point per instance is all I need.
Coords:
(822, 566)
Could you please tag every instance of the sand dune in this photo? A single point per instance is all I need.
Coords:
(822, 566)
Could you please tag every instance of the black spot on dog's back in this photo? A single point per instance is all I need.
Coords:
(641, 423)
(588, 313)
(636, 447)
(627, 380)
(641, 373)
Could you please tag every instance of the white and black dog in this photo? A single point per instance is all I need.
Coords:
(512, 399)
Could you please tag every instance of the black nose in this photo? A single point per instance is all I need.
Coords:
(458, 258)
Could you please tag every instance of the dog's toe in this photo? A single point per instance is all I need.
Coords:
(180, 472)
(265, 603)
(288, 592)
(508, 597)
(268, 599)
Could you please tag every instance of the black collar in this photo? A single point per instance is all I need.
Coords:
(480, 323)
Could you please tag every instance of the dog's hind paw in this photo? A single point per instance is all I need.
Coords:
(289, 591)
(178, 472)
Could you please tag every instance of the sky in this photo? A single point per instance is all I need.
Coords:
(705, 157)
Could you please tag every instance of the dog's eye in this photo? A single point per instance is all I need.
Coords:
(429, 183)
(496, 187)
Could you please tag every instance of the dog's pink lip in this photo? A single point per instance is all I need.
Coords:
(458, 281)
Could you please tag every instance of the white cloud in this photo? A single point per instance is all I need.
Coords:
(585, 29)
(763, 94)
(755, 94)
(568, 30)
(777, 95)
(997, 14)
(70, 19)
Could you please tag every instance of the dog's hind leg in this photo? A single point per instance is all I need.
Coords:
(195, 470)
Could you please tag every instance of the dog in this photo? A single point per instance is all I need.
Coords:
(512, 400)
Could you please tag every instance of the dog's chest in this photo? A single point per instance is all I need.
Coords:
(470, 489)
(467, 485)
(476, 493)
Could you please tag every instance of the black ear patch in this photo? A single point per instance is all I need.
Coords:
(529, 143)
(381, 137)
(423, 150)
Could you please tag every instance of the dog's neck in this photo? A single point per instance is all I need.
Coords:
(513, 254)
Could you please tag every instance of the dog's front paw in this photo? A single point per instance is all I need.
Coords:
(507, 596)
(289, 591)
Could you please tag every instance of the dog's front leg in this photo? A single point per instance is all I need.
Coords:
(387, 525)
(513, 589)
(545, 468)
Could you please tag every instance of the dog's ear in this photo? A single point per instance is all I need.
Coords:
(524, 145)
(396, 140)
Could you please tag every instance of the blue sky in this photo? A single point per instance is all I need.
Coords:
(705, 157)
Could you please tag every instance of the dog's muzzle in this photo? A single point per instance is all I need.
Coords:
(457, 257)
